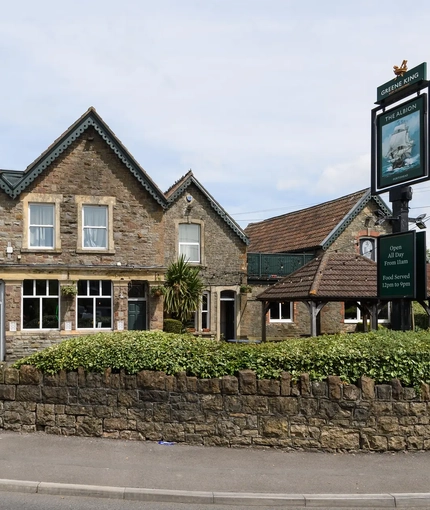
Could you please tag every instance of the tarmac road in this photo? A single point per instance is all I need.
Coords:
(210, 476)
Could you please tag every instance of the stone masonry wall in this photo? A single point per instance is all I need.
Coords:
(228, 411)
(223, 252)
(88, 167)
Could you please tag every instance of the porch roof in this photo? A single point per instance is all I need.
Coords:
(331, 277)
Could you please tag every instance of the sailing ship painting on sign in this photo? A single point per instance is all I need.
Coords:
(399, 153)
(401, 143)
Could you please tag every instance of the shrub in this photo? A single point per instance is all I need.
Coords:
(381, 355)
(183, 289)
(172, 326)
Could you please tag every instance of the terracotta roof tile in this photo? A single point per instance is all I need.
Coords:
(334, 276)
(300, 230)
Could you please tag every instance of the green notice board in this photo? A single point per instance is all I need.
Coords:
(396, 266)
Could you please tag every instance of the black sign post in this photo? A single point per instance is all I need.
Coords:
(400, 137)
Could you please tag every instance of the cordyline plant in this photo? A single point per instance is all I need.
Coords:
(183, 289)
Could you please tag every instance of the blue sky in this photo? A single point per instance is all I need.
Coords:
(267, 101)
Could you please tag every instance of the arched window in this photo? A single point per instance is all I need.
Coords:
(368, 247)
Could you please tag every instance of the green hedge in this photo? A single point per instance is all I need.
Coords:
(172, 326)
(381, 355)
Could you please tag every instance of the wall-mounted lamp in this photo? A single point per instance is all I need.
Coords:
(419, 221)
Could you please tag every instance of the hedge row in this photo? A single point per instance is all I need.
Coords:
(381, 355)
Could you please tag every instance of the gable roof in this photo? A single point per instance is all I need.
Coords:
(309, 229)
(179, 188)
(334, 277)
(14, 183)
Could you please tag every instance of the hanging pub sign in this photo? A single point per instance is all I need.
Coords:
(402, 141)
(400, 130)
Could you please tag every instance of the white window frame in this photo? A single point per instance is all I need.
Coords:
(53, 200)
(197, 317)
(109, 203)
(373, 241)
(184, 244)
(205, 311)
(40, 297)
(94, 297)
(280, 304)
(359, 319)
(43, 227)
(87, 227)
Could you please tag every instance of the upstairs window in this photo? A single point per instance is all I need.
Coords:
(95, 226)
(41, 222)
(189, 241)
(368, 247)
(281, 312)
(41, 226)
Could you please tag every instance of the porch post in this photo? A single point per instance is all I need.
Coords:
(374, 317)
(264, 308)
(313, 311)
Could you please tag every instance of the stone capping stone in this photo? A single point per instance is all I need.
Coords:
(240, 410)
(246, 383)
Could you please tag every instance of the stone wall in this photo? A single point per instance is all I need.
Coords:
(223, 253)
(229, 411)
(88, 167)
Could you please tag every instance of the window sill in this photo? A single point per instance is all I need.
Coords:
(96, 251)
(94, 329)
(41, 250)
(33, 330)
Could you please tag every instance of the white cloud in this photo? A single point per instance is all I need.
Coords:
(352, 175)
(268, 102)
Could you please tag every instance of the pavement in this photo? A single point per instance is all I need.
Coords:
(166, 472)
